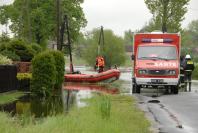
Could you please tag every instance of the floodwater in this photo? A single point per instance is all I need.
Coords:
(72, 94)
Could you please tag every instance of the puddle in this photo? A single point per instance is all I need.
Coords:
(154, 101)
(36, 106)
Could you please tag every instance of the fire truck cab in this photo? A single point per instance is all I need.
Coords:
(156, 60)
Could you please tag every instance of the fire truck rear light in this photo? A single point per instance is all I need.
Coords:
(145, 40)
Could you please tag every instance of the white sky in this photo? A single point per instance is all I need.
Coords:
(121, 15)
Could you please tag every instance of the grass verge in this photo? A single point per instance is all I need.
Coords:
(9, 97)
(123, 117)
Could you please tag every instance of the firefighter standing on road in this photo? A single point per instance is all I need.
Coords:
(100, 63)
(188, 66)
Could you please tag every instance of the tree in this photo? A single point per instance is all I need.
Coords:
(167, 14)
(128, 37)
(113, 50)
(35, 20)
(190, 39)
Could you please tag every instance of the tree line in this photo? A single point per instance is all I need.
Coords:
(36, 22)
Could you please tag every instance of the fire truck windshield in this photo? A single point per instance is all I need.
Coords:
(157, 53)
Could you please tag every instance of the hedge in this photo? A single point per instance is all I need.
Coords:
(60, 68)
(43, 74)
(47, 72)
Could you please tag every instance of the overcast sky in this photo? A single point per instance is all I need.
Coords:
(121, 15)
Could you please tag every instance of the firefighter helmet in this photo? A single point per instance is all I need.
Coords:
(188, 56)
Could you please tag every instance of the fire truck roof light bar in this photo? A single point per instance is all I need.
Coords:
(145, 40)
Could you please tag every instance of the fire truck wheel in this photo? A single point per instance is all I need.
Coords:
(174, 89)
(133, 89)
(138, 89)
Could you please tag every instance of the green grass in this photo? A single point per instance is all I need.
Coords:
(9, 97)
(124, 117)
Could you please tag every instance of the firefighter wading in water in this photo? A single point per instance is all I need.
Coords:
(100, 63)
(188, 66)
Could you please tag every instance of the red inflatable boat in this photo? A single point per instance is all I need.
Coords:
(106, 76)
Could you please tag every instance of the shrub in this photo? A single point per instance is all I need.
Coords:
(24, 76)
(43, 73)
(11, 55)
(60, 68)
(4, 60)
(37, 48)
(20, 48)
(195, 73)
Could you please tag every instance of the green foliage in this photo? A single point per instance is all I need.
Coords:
(4, 60)
(113, 49)
(128, 37)
(18, 48)
(190, 39)
(37, 48)
(195, 73)
(11, 55)
(4, 38)
(35, 20)
(24, 76)
(167, 14)
(21, 49)
(43, 73)
(60, 68)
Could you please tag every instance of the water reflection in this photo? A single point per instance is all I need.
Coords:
(35, 106)
(90, 87)
(72, 94)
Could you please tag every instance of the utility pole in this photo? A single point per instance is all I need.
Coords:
(58, 24)
(101, 41)
(69, 44)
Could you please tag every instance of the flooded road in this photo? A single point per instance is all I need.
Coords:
(171, 113)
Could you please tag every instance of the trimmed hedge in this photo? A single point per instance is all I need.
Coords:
(47, 72)
(60, 68)
(43, 74)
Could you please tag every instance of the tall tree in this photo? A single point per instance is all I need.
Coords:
(35, 20)
(113, 50)
(167, 14)
(128, 37)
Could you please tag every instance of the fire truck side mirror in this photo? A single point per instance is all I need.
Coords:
(132, 57)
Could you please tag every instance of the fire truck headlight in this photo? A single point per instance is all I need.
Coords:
(171, 72)
(142, 71)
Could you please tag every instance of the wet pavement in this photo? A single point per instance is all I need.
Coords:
(171, 113)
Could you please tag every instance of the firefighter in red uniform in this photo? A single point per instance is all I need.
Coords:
(100, 63)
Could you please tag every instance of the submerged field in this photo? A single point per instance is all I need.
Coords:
(104, 114)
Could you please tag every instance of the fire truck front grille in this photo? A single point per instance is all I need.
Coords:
(157, 72)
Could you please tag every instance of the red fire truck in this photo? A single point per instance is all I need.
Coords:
(156, 61)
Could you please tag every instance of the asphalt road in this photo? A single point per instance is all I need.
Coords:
(171, 113)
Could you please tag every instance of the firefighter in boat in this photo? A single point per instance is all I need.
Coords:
(100, 63)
